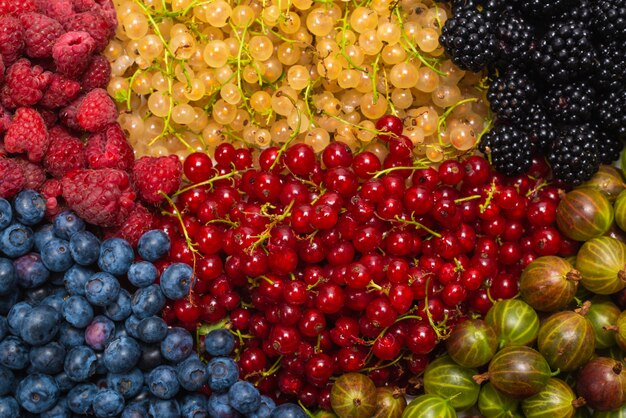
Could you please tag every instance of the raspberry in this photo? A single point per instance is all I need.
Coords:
(97, 74)
(27, 133)
(11, 39)
(96, 111)
(104, 7)
(94, 23)
(67, 115)
(40, 34)
(101, 197)
(26, 84)
(71, 53)
(52, 191)
(109, 149)
(5, 120)
(11, 177)
(17, 7)
(49, 117)
(34, 175)
(56, 9)
(60, 92)
(139, 222)
(152, 175)
(65, 153)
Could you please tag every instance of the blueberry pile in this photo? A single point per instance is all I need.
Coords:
(557, 73)
(75, 342)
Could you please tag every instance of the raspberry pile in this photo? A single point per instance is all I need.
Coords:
(557, 80)
(324, 264)
(59, 125)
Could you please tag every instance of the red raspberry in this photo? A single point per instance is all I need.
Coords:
(27, 133)
(17, 7)
(105, 7)
(26, 84)
(96, 111)
(97, 74)
(140, 221)
(72, 52)
(101, 197)
(67, 115)
(11, 177)
(11, 39)
(52, 191)
(49, 117)
(65, 153)
(109, 149)
(34, 175)
(94, 23)
(5, 120)
(60, 92)
(56, 9)
(40, 34)
(152, 175)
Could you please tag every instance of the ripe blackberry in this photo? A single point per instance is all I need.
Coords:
(467, 38)
(571, 103)
(511, 95)
(574, 155)
(509, 148)
(539, 127)
(609, 20)
(581, 13)
(515, 39)
(565, 53)
(609, 145)
(612, 112)
(543, 8)
(610, 74)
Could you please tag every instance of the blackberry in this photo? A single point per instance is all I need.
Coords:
(609, 20)
(565, 53)
(612, 112)
(515, 39)
(611, 71)
(609, 146)
(581, 13)
(509, 149)
(574, 155)
(511, 95)
(544, 8)
(467, 38)
(572, 103)
(540, 129)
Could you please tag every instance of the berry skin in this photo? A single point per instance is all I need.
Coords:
(34, 175)
(107, 403)
(219, 342)
(91, 22)
(222, 373)
(40, 34)
(109, 148)
(101, 197)
(60, 92)
(96, 111)
(574, 155)
(12, 178)
(37, 393)
(176, 281)
(71, 53)
(539, 127)
(140, 221)
(17, 7)
(515, 39)
(153, 245)
(11, 39)
(65, 153)
(97, 74)
(25, 83)
(511, 95)
(29, 207)
(511, 151)
(153, 175)
(609, 19)
(540, 8)
(611, 112)
(116, 256)
(572, 103)
(28, 134)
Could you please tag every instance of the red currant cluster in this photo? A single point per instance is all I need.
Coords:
(345, 263)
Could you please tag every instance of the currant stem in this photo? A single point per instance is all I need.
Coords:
(418, 225)
(206, 182)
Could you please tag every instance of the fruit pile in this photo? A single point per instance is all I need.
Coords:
(189, 75)
(557, 79)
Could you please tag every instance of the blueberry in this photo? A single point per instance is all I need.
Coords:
(56, 255)
(60, 410)
(99, 332)
(8, 276)
(107, 403)
(163, 383)
(80, 363)
(43, 234)
(16, 315)
(84, 248)
(66, 224)
(116, 256)
(76, 278)
(265, 410)
(16, 240)
(9, 407)
(121, 355)
(31, 271)
(64, 382)
(222, 373)
(218, 406)
(219, 342)
(7, 302)
(102, 289)
(40, 325)
(288, 410)
(7, 380)
(244, 397)
(148, 301)
(30, 207)
(38, 294)
(56, 300)
(13, 353)
(134, 411)
(177, 345)
(142, 274)
(131, 326)
(37, 393)
(153, 245)
(192, 374)
(120, 309)
(6, 213)
(194, 406)
(176, 281)
(48, 358)
(4, 327)
(164, 408)
(128, 384)
(152, 329)
(70, 336)
(151, 357)
(77, 311)
(80, 397)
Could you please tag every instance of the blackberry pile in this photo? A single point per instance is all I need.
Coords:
(557, 80)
